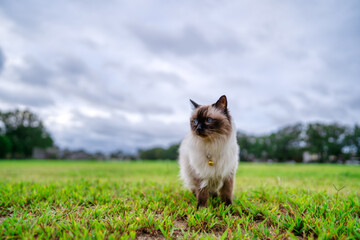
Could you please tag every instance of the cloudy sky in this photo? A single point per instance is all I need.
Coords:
(108, 75)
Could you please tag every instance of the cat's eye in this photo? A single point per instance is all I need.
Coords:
(209, 120)
(195, 121)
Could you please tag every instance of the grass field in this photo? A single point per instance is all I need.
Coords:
(145, 200)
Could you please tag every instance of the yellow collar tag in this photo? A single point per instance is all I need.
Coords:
(210, 162)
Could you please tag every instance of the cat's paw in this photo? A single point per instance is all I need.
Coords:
(201, 205)
(227, 202)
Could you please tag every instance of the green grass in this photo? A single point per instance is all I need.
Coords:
(129, 200)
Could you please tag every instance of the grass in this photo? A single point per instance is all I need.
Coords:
(140, 200)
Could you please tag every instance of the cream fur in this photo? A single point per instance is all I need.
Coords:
(193, 161)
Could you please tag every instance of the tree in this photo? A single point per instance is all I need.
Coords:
(171, 152)
(245, 144)
(287, 143)
(352, 140)
(356, 138)
(25, 131)
(326, 140)
(160, 153)
(5, 146)
(283, 145)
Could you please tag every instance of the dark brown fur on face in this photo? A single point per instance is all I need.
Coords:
(210, 121)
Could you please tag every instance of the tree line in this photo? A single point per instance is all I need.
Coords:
(323, 142)
(21, 131)
(327, 142)
(170, 153)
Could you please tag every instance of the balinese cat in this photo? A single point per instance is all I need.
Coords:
(209, 154)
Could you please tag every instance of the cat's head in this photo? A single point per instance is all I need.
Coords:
(211, 121)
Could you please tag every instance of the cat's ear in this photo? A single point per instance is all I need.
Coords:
(194, 104)
(221, 103)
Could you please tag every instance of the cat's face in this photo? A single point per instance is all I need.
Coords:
(211, 121)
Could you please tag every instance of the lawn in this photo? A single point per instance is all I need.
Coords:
(145, 200)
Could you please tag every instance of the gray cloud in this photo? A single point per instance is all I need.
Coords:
(116, 133)
(29, 99)
(73, 66)
(79, 83)
(354, 103)
(2, 60)
(119, 76)
(190, 41)
(35, 73)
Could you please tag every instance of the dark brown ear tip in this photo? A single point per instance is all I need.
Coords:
(195, 105)
(221, 103)
(223, 99)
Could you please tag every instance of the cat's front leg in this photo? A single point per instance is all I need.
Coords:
(227, 190)
(202, 195)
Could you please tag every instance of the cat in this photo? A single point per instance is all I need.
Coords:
(209, 154)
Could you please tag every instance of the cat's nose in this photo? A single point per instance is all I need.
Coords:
(198, 127)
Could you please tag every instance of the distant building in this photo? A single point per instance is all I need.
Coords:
(56, 153)
(100, 156)
(47, 153)
(78, 155)
(308, 157)
(353, 161)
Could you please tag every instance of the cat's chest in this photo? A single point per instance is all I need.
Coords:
(208, 162)
(211, 158)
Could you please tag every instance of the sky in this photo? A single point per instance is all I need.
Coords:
(118, 75)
